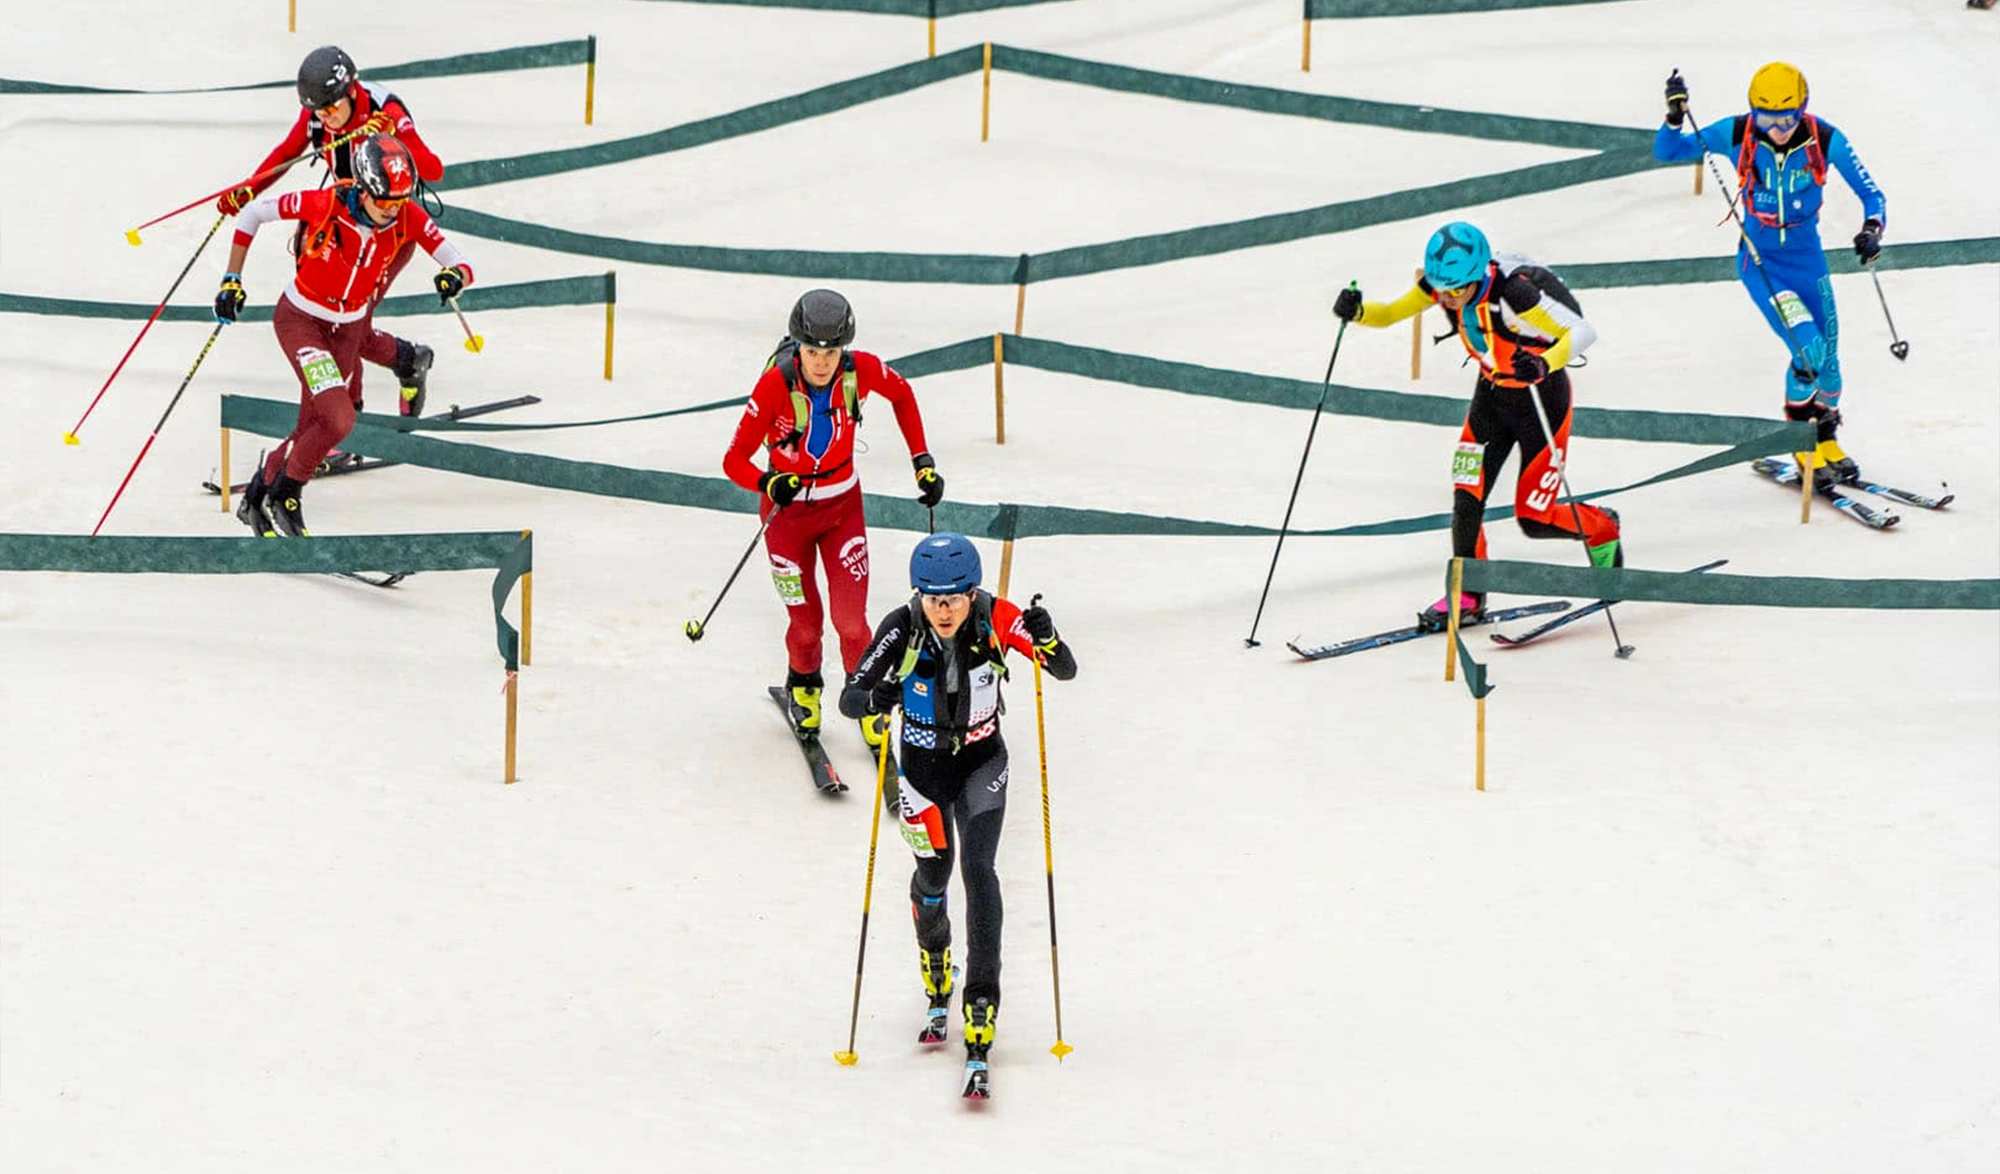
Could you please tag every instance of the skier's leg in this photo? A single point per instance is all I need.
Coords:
(1538, 504)
(790, 540)
(980, 811)
(1483, 446)
(1787, 311)
(843, 551)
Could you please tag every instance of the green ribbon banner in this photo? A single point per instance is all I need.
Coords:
(492, 61)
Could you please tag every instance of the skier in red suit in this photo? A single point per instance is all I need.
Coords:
(335, 102)
(804, 412)
(349, 236)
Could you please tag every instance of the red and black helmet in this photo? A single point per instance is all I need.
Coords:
(383, 168)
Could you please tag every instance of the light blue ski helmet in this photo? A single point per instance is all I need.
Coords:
(944, 564)
(1457, 255)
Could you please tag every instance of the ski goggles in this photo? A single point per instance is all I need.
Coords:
(955, 599)
(1776, 119)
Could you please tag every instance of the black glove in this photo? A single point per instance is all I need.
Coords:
(781, 488)
(1347, 307)
(229, 298)
(1529, 367)
(930, 483)
(449, 282)
(232, 202)
(1677, 98)
(1041, 628)
(1868, 242)
(885, 696)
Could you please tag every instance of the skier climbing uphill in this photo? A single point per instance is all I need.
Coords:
(1522, 326)
(941, 658)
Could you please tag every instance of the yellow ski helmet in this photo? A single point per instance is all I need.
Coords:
(1778, 86)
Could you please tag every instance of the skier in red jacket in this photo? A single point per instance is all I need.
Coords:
(804, 412)
(349, 237)
(335, 102)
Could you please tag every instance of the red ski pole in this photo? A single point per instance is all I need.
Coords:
(132, 234)
(70, 436)
(156, 428)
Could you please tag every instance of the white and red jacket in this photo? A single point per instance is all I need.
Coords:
(821, 451)
(368, 98)
(341, 259)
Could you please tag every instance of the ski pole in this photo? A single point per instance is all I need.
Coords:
(1060, 1049)
(70, 437)
(148, 447)
(1326, 385)
(132, 234)
(696, 629)
(473, 342)
(1750, 246)
(848, 1057)
(1897, 346)
(1559, 459)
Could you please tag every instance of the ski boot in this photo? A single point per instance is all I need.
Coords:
(250, 511)
(980, 1015)
(939, 982)
(1610, 552)
(875, 730)
(1823, 477)
(1437, 617)
(282, 503)
(804, 710)
(413, 366)
(1839, 465)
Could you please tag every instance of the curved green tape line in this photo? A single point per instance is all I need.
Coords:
(492, 61)
(1528, 578)
(1341, 9)
(560, 291)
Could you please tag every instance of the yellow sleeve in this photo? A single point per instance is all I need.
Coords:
(1559, 352)
(1389, 313)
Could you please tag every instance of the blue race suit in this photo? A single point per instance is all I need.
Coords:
(1782, 221)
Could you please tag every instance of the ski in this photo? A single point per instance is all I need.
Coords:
(1787, 473)
(372, 580)
(1904, 496)
(1567, 618)
(936, 1026)
(975, 1086)
(824, 777)
(361, 464)
(1383, 639)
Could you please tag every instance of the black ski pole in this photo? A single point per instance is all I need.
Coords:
(1897, 346)
(1326, 385)
(696, 629)
(1560, 459)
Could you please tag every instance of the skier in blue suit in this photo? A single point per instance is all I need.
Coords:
(1782, 154)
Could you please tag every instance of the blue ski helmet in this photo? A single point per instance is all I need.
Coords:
(1457, 255)
(944, 564)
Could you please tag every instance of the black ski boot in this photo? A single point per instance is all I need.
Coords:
(1437, 617)
(282, 503)
(413, 366)
(250, 511)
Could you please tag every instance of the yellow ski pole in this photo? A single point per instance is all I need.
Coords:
(1060, 1049)
(848, 1057)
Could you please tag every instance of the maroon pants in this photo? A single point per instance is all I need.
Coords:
(835, 533)
(326, 358)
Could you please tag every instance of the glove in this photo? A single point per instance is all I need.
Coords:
(1041, 628)
(930, 483)
(229, 298)
(1868, 242)
(1529, 367)
(885, 696)
(1677, 98)
(449, 282)
(781, 488)
(232, 202)
(1347, 307)
(379, 123)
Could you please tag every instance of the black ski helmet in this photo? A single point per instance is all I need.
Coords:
(822, 318)
(384, 169)
(324, 76)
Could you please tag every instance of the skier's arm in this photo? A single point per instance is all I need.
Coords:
(256, 215)
(891, 386)
(884, 655)
(1012, 625)
(1674, 145)
(293, 146)
(1840, 153)
(1548, 316)
(439, 246)
(1389, 313)
(766, 398)
(429, 166)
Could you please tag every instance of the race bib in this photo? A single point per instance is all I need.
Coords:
(1792, 309)
(789, 580)
(319, 369)
(1468, 465)
(922, 823)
